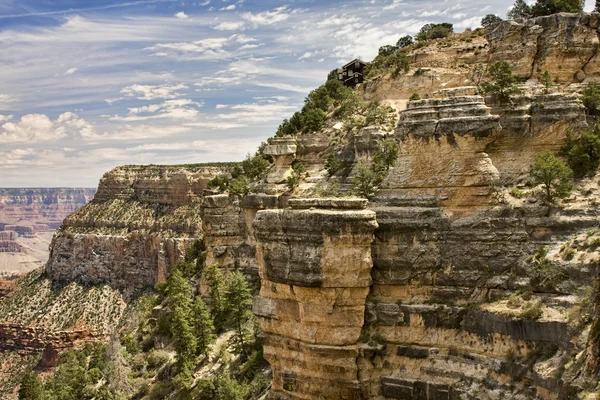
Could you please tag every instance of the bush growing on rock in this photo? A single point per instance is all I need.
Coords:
(591, 97)
(364, 181)
(583, 153)
(553, 174)
(549, 7)
(434, 31)
(503, 84)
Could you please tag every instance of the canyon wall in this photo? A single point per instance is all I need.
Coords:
(443, 286)
(139, 224)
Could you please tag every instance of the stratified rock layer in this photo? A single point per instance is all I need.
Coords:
(138, 226)
(315, 275)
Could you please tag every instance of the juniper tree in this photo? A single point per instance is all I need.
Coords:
(553, 174)
(520, 10)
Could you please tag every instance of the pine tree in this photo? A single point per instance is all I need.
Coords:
(216, 284)
(184, 340)
(203, 327)
(31, 387)
(238, 299)
(520, 10)
(597, 8)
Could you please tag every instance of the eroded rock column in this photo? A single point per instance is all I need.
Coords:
(314, 261)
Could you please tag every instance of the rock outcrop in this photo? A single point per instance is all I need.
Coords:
(138, 226)
(315, 275)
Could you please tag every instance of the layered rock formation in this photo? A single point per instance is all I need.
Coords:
(315, 275)
(138, 226)
(442, 287)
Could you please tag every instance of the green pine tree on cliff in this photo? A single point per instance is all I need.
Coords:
(239, 303)
(31, 387)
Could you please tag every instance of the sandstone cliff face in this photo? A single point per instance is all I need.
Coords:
(440, 287)
(138, 226)
(315, 275)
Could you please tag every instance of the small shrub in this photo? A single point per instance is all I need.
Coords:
(517, 193)
(533, 311)
(415, 97)
(591, 97)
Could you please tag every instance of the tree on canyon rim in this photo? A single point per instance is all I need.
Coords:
(31, 387)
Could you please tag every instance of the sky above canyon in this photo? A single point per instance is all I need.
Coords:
(86, 86)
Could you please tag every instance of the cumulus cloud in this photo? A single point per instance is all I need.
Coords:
(35, 128)
(71, 71)
(228, 8)
(182, 15)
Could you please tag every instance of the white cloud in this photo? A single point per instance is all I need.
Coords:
(211, 49)
(268, 17)
(71, 71)
(179, 110)
(230, 26)
(6, 101)
(308, 54)
(35, 128)
(151, 92)
(395, 4)
(182, 15)
(228, 8)
(4, 118)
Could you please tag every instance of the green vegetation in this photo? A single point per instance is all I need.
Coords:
(490, 19)
(544, 7)
(216, 283)
(583, 153)
(520, 10)
(434, 31)
(31, 387)
(293, 180)
(544, 276)
(533, 311)
(237, 180)
(591, 97)
(503, 82)
(547, 82)
(332, 165)
(389, 58)
(316, 106)
(167, 336)
(368, 177)
(553, 174)
(404, 41)
(517, 193)
(238, 301)
(415, 97)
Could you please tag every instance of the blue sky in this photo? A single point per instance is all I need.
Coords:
(89, 85)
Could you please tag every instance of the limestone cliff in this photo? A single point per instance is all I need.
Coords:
(138, 226)
(444, 285)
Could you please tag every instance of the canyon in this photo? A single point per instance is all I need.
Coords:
(28, 218)
(426, 290)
